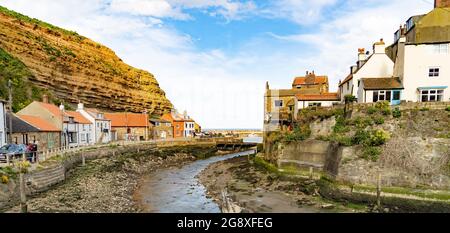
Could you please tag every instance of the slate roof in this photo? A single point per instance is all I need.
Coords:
(19, 125)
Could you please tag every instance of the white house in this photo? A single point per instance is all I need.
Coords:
(372, 90)
(316, 100)
(3, 135)
(377, 65)
(424, 70)
(189, 126)
(76, 129)
(101, 127)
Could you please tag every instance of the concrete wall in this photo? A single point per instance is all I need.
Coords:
(319, 155)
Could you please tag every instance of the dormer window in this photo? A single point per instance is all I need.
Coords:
(71, 120)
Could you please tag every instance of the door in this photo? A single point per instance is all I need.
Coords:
(396, 97)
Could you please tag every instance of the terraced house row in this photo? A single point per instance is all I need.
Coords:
(415, 68)
(50, 126)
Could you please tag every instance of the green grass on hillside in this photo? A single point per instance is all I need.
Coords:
(23, 92)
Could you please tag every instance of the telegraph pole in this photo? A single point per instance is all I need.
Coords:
(10, 103)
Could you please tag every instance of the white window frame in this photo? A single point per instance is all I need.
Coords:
(314, 104)
(440, 48)
(384, 94)
(432, 94)
(434, 71)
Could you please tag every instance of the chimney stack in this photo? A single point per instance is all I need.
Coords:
(80, 106)
(45, 98)
(379, 47)
(441, 3)
(361, 60)
(61, 107)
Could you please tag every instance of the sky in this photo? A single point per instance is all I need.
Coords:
(213, 57)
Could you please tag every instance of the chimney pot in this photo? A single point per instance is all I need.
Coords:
(61, 107)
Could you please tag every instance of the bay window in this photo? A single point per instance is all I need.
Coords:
(431, 95)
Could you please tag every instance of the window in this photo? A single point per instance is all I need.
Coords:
(440, 49)
(314, 104)
(396, 95)
(431, 95)
(348, 86)
(71, 120)
(382, 96)
(278, 103)
(433, 72)
(359, 83)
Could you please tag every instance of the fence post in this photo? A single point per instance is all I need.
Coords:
(379, 191)
(23, 197)
(311, 173)
(83, 159)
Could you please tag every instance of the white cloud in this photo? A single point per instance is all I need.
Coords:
(155, 8)
(303, 12)
(223, 90)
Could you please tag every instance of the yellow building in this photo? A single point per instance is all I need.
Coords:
(280, 105)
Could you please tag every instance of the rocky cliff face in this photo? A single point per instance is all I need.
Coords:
(74, 68)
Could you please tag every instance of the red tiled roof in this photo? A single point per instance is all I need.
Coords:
(39, 123)
(175, 117)
(323, 97)
(78, 117)
(53, 109)
(318, 80)
(127, 119)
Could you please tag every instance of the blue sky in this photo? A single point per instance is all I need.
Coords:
(213, 57)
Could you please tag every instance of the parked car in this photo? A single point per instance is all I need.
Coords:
(13, 151)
